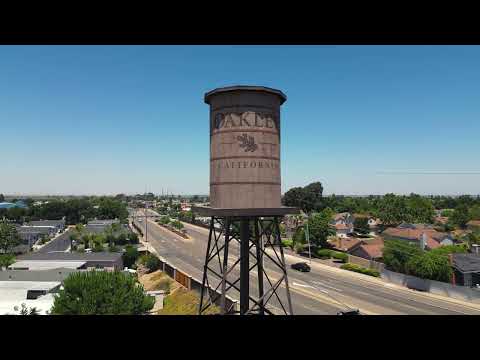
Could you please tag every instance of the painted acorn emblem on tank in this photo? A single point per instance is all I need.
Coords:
(247, 142)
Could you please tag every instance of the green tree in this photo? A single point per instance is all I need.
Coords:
(2, 198)
(420, 209)
(130, 256)
(9, 237)
(319, 227)
(460, 216)
(393, 210)
(361, 225)
(397, 253)
(430, 265)
(447, 213)
(308, 198)
(101, 293)
(474, 212)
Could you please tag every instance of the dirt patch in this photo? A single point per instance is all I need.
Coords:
(158, 280)
(184, 302)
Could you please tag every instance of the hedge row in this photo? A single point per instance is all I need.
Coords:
(327, 254)
(359, 269)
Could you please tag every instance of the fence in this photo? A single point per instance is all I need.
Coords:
(432, 286)
(193, 284)
(369, 264)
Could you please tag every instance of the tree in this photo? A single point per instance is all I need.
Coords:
(307, 198)
(2, 198)
(393, 210)
(101, 293)
(319, 227)
(130, 256)
(9, 237)
(475, 212)
(420, 209)
(460, 216)
(361, 225)
(430, 265)
(397, 253)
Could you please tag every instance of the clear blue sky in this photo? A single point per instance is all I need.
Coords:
(111, 119)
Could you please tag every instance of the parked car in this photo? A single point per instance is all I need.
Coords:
(301, 266)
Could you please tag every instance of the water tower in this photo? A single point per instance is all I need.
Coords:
(245, 203)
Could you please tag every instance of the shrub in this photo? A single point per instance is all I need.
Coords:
(98, 248)
(298, 248)
(340, 256)
(287, 243)
(151, 262)
(113, 248)
(359, 269)
(101, 293)
(323, 253)
(132, 237)
(121, 239)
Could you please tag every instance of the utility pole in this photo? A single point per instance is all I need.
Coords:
(146, 222)
(307, 237)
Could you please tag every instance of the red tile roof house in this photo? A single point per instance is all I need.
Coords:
(367, 249)
(434, 239)
(345, 244)
(371, 250)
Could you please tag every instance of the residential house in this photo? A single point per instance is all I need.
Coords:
(370, 249)
(466, 269)
(343, 224)
(425, 236)
(345, 244)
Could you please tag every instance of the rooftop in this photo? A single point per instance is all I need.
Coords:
(46, 264)
(74, 256)
(466, 263)
(46, 223)
(14, 293)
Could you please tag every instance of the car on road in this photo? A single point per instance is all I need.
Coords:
(301, 266)
(349, 312)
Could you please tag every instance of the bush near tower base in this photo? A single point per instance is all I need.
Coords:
(101, 293)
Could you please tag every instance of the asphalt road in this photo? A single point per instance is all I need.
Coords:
(321, 291)
(61, 243)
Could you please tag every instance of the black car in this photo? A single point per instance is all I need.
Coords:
(301, 266)
(349, 312)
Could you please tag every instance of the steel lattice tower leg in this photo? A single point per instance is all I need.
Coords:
(236, 237)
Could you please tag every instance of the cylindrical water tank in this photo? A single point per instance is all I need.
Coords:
(245, 147)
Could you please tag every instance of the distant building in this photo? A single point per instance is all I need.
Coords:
(9, 205)
(30, 235)
(95, 260)
(57, 225)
